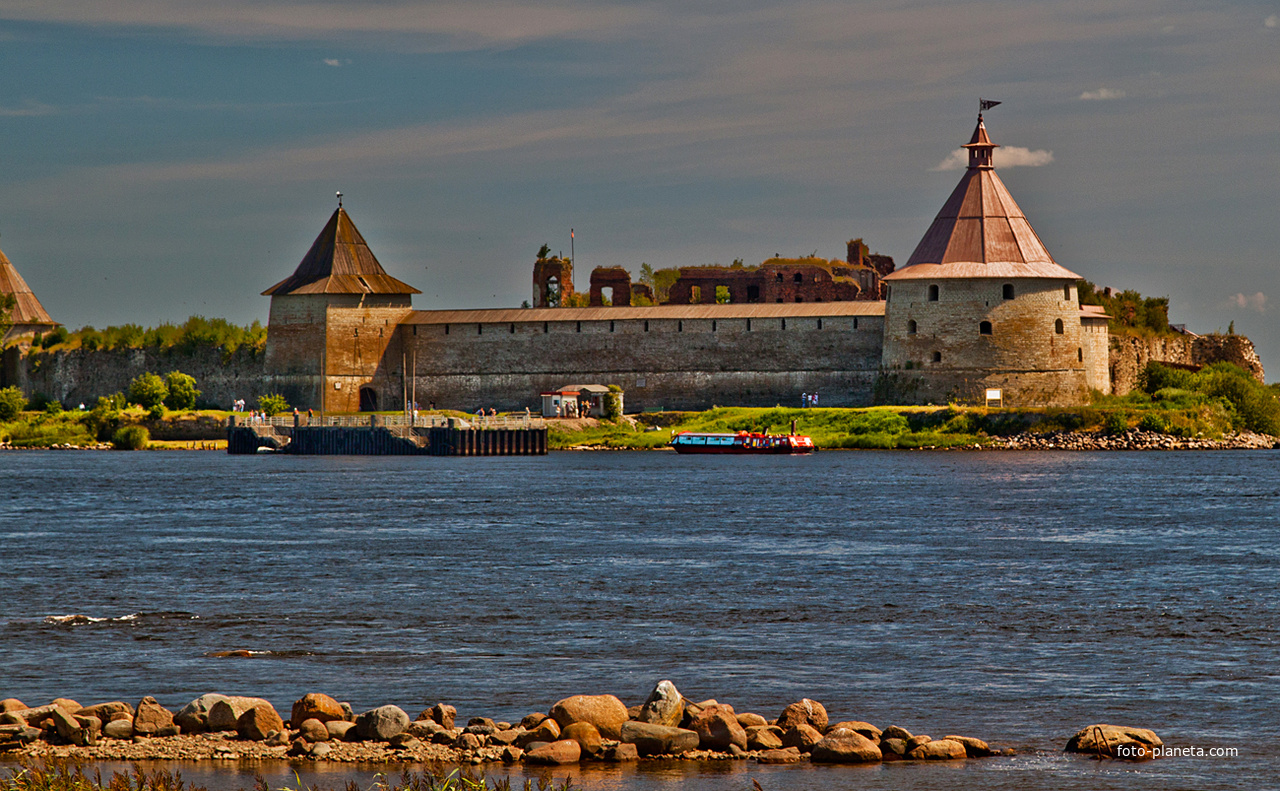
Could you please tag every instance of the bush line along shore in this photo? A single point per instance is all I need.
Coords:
(580, 728)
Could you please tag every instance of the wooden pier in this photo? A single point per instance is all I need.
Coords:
(379, 435)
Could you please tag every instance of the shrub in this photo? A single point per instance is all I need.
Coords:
(131, 438)
(38, 402)
(53, 407)
(12, 402)
(1156, 377)
(1153, 421)
(54, 336)
(1116, 423)
(613, 403)
(182, 391)
(148, 390)
(272, 404)
(103, 420)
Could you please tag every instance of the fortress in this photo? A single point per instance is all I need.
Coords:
(980, 304)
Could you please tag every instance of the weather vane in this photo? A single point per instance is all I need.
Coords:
(340, 193)
(985, 104)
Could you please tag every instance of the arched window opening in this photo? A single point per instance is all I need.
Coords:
(933, 293)
(799, 298)
(911, 327)
(1008, 291)
(611, 326)
(479, 329)
(1057, 326)
(937, 357)
(1080, 355)
(579, 327)
(713, 325)
(679, 326)
(1066, 292)
(799, 278)
(819, 323)
(646, 325)
(513, 329)
(368, 399)
(984, 328)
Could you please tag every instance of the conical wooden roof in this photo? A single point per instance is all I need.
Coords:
(980, 231)
(28, 309)
(340, 262)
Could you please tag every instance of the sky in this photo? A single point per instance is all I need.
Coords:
(164, 158)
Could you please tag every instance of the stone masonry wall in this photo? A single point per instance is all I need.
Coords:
(1130, 355)
(947, 357)
(75, 377)
(674, 364)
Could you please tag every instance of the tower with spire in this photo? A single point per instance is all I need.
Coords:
(27, 317)
(332, 330)
(981, 304)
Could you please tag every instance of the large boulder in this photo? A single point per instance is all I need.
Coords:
(1115, 741)
(442, 714)
(717, 728)
(586, 735)
(974, 748)
(259, 721)
(194, 717)
(315, 706)
(151, 717)
(938, 750)
(802, 737)
(340, 730)
(108, 712)
(380, 724)
(788, 755)
(605, 712)
(313, 730)
(664, 706)
(749, 720)
(11, 704)
(564, 751)
(844, 747)
(804, 712)
(763, 737)
(546, 731)
(896, 732)
(118, 729)
(224, 714)
(67, 704)
(79, 731)
(865, 728)
(651, 739)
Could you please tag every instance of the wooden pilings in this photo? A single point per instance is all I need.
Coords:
(487, 442)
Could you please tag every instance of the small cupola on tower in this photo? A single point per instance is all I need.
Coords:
(980, 146)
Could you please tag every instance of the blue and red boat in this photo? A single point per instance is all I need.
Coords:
(741, 442)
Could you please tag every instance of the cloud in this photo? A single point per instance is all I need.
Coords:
(1005, 157)
(1256, 301)
(27, 110)
(437, 26)
(335, 62)
(1272, 21)
(1102, 94)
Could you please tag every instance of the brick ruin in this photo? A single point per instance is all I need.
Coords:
(552, 281)
(777, 280)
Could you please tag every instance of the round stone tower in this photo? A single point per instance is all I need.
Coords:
(982, 305)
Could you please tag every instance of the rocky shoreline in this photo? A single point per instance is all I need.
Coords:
(578, 729)
(1134, 439)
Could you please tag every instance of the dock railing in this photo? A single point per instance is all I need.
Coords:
(485, 422)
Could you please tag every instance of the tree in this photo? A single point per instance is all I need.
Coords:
(182, 391)
(272, 404)
(544, 251)
(148, 390)
(12, 402)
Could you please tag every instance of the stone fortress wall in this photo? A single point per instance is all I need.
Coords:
(662, 358)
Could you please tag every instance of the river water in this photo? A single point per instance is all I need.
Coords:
(1013, 596)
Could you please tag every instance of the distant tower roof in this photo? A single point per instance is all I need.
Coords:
(340, 262)
(980, 231)
(28, 309)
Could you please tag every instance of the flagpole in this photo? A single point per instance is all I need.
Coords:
(572, 258)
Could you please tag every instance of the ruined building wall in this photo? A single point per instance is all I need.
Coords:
(1129, 355)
